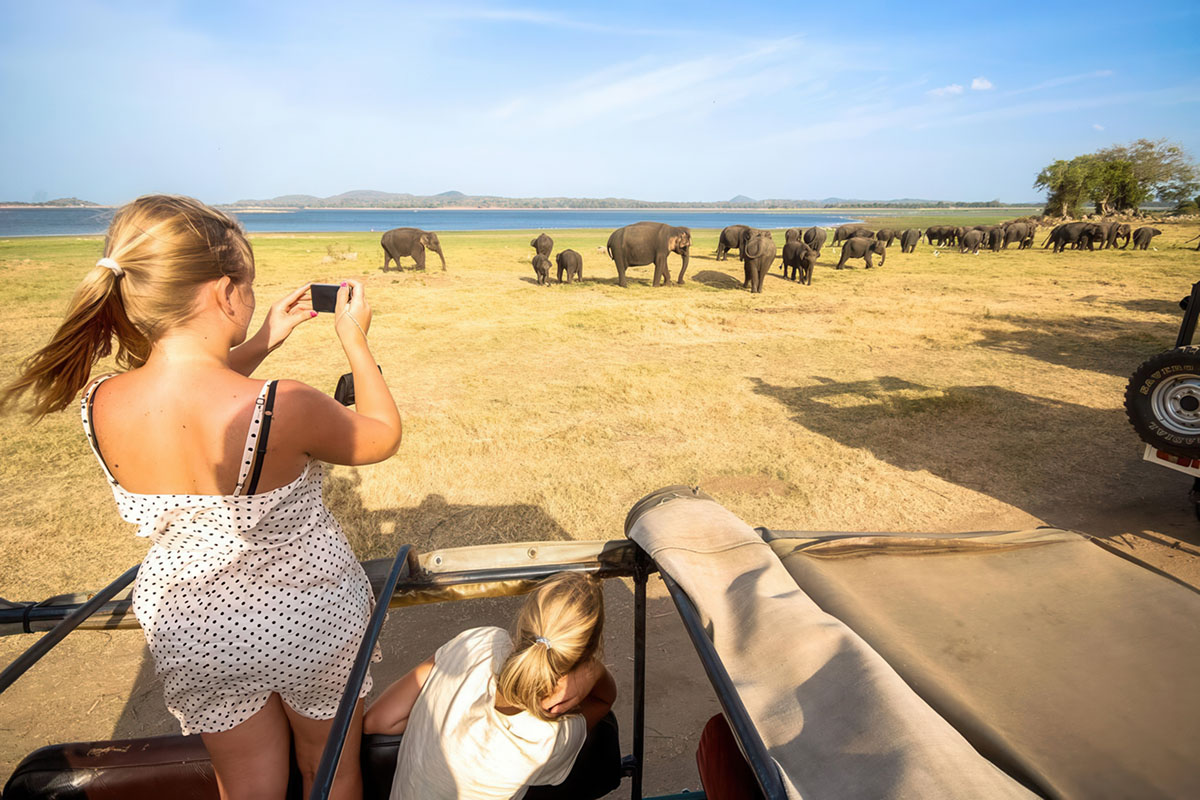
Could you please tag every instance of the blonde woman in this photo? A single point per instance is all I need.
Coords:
(491, 715)
(251, 600)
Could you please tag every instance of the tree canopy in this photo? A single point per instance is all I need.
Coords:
(1119, 178)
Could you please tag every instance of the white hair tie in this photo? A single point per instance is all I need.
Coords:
(542, 640)
(110, 264)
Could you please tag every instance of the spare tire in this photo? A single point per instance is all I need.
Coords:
(1162, 401)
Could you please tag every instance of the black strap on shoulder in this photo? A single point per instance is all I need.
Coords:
(260, 452)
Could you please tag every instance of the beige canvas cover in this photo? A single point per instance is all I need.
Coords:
(1059, 661)
(836, 718)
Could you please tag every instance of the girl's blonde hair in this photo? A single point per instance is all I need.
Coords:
(166, 247)
(567, 612)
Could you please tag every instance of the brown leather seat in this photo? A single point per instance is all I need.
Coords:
(175, 767)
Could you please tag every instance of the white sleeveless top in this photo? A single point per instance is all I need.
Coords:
(244, 595)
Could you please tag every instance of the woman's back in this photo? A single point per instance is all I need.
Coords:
(186, 432)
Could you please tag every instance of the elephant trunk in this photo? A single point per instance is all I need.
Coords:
(438, 250)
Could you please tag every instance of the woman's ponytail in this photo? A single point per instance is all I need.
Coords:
(159, 251)
(59, 370)
(559, 627)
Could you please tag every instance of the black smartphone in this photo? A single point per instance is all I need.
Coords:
(324, 296)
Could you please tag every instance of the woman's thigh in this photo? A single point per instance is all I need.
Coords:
(251, 760)
(310, 736)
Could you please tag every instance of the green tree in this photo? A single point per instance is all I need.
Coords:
(1120, 178)
(1067, 185)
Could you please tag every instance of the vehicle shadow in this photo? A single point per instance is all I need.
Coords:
(1068, 464)
(1097, 343)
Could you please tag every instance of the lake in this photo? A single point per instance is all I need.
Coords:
(90, 221)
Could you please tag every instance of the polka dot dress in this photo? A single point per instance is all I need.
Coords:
(244, 595)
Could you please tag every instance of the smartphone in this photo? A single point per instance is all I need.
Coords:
(324, 296)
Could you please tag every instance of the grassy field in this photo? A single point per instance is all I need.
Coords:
(935, 392)
(939, 392)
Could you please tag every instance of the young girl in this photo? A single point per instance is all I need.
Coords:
(250, 598)
(491, 715)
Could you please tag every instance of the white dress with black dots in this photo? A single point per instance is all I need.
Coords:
(244, 595)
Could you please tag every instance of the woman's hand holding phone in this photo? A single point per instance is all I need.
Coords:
(352, 314)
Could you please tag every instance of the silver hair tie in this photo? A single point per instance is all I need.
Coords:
(542, 640)
(110, 264)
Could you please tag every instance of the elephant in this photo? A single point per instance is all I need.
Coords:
(649, 243)
(849, 231)
(410, 242)
(758, 253)
(1117, 231)
(543, 244)
(862, 247)
(1069, 233)
(909, 239)
(958, 235)
(971, 240)
(1142, 237)
(814, 237)
(731, 238)
(939, 234)
(993, 237)
(792, 235)
(1103, 233)
(1019, 232)
(887, 236)
(800, 258)
(570, 262)
(541, 265)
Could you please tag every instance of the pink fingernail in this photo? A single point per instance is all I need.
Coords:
(312, 313)
(343, 283)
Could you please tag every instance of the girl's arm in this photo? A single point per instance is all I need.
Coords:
(389, 714)
(600, 700)
(588, 689)
(282, 318)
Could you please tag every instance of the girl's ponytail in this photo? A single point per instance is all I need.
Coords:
(559, 628)
(59, 370)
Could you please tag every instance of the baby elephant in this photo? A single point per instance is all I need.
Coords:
(571, 263)
(1142, 237)
(800, 258)
(541, 265)
(862, 247)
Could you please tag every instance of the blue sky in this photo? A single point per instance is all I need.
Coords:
(658, 101)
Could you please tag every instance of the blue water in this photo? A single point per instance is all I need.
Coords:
(87, 221)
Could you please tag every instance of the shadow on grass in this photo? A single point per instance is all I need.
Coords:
(1153, 305)
(1101, 344)
(1062, 462)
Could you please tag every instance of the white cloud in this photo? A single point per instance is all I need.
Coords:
(1097, 126)
(946, 91)
(981, 84)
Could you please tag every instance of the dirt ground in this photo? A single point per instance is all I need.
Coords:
(938, 393)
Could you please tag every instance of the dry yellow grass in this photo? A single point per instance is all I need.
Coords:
(935, 393)
(930, 393)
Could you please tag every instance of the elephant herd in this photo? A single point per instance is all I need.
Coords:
(646, 243)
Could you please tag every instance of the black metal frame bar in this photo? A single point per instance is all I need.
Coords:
(1187, 329)
(327, 770)
(59, 632)
(641, 576)
(742, 726)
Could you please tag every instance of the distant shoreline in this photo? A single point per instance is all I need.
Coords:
(677, 209)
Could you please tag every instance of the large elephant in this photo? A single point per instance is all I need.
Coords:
(849, 231)
(970, 240)
(993, 237)
(800, 259)
(1119, 230)
(570, 262)
(731, 238)
(814, 237)
(758, 253)
(792, 235)
(887, 236)
(542, 244)
(939, 234)
(862, 247)
(1020, 232)
(1069, 233)
(410, 242)
(909, 239)
(1142, 237)
(1102, 232)
(649, 243)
